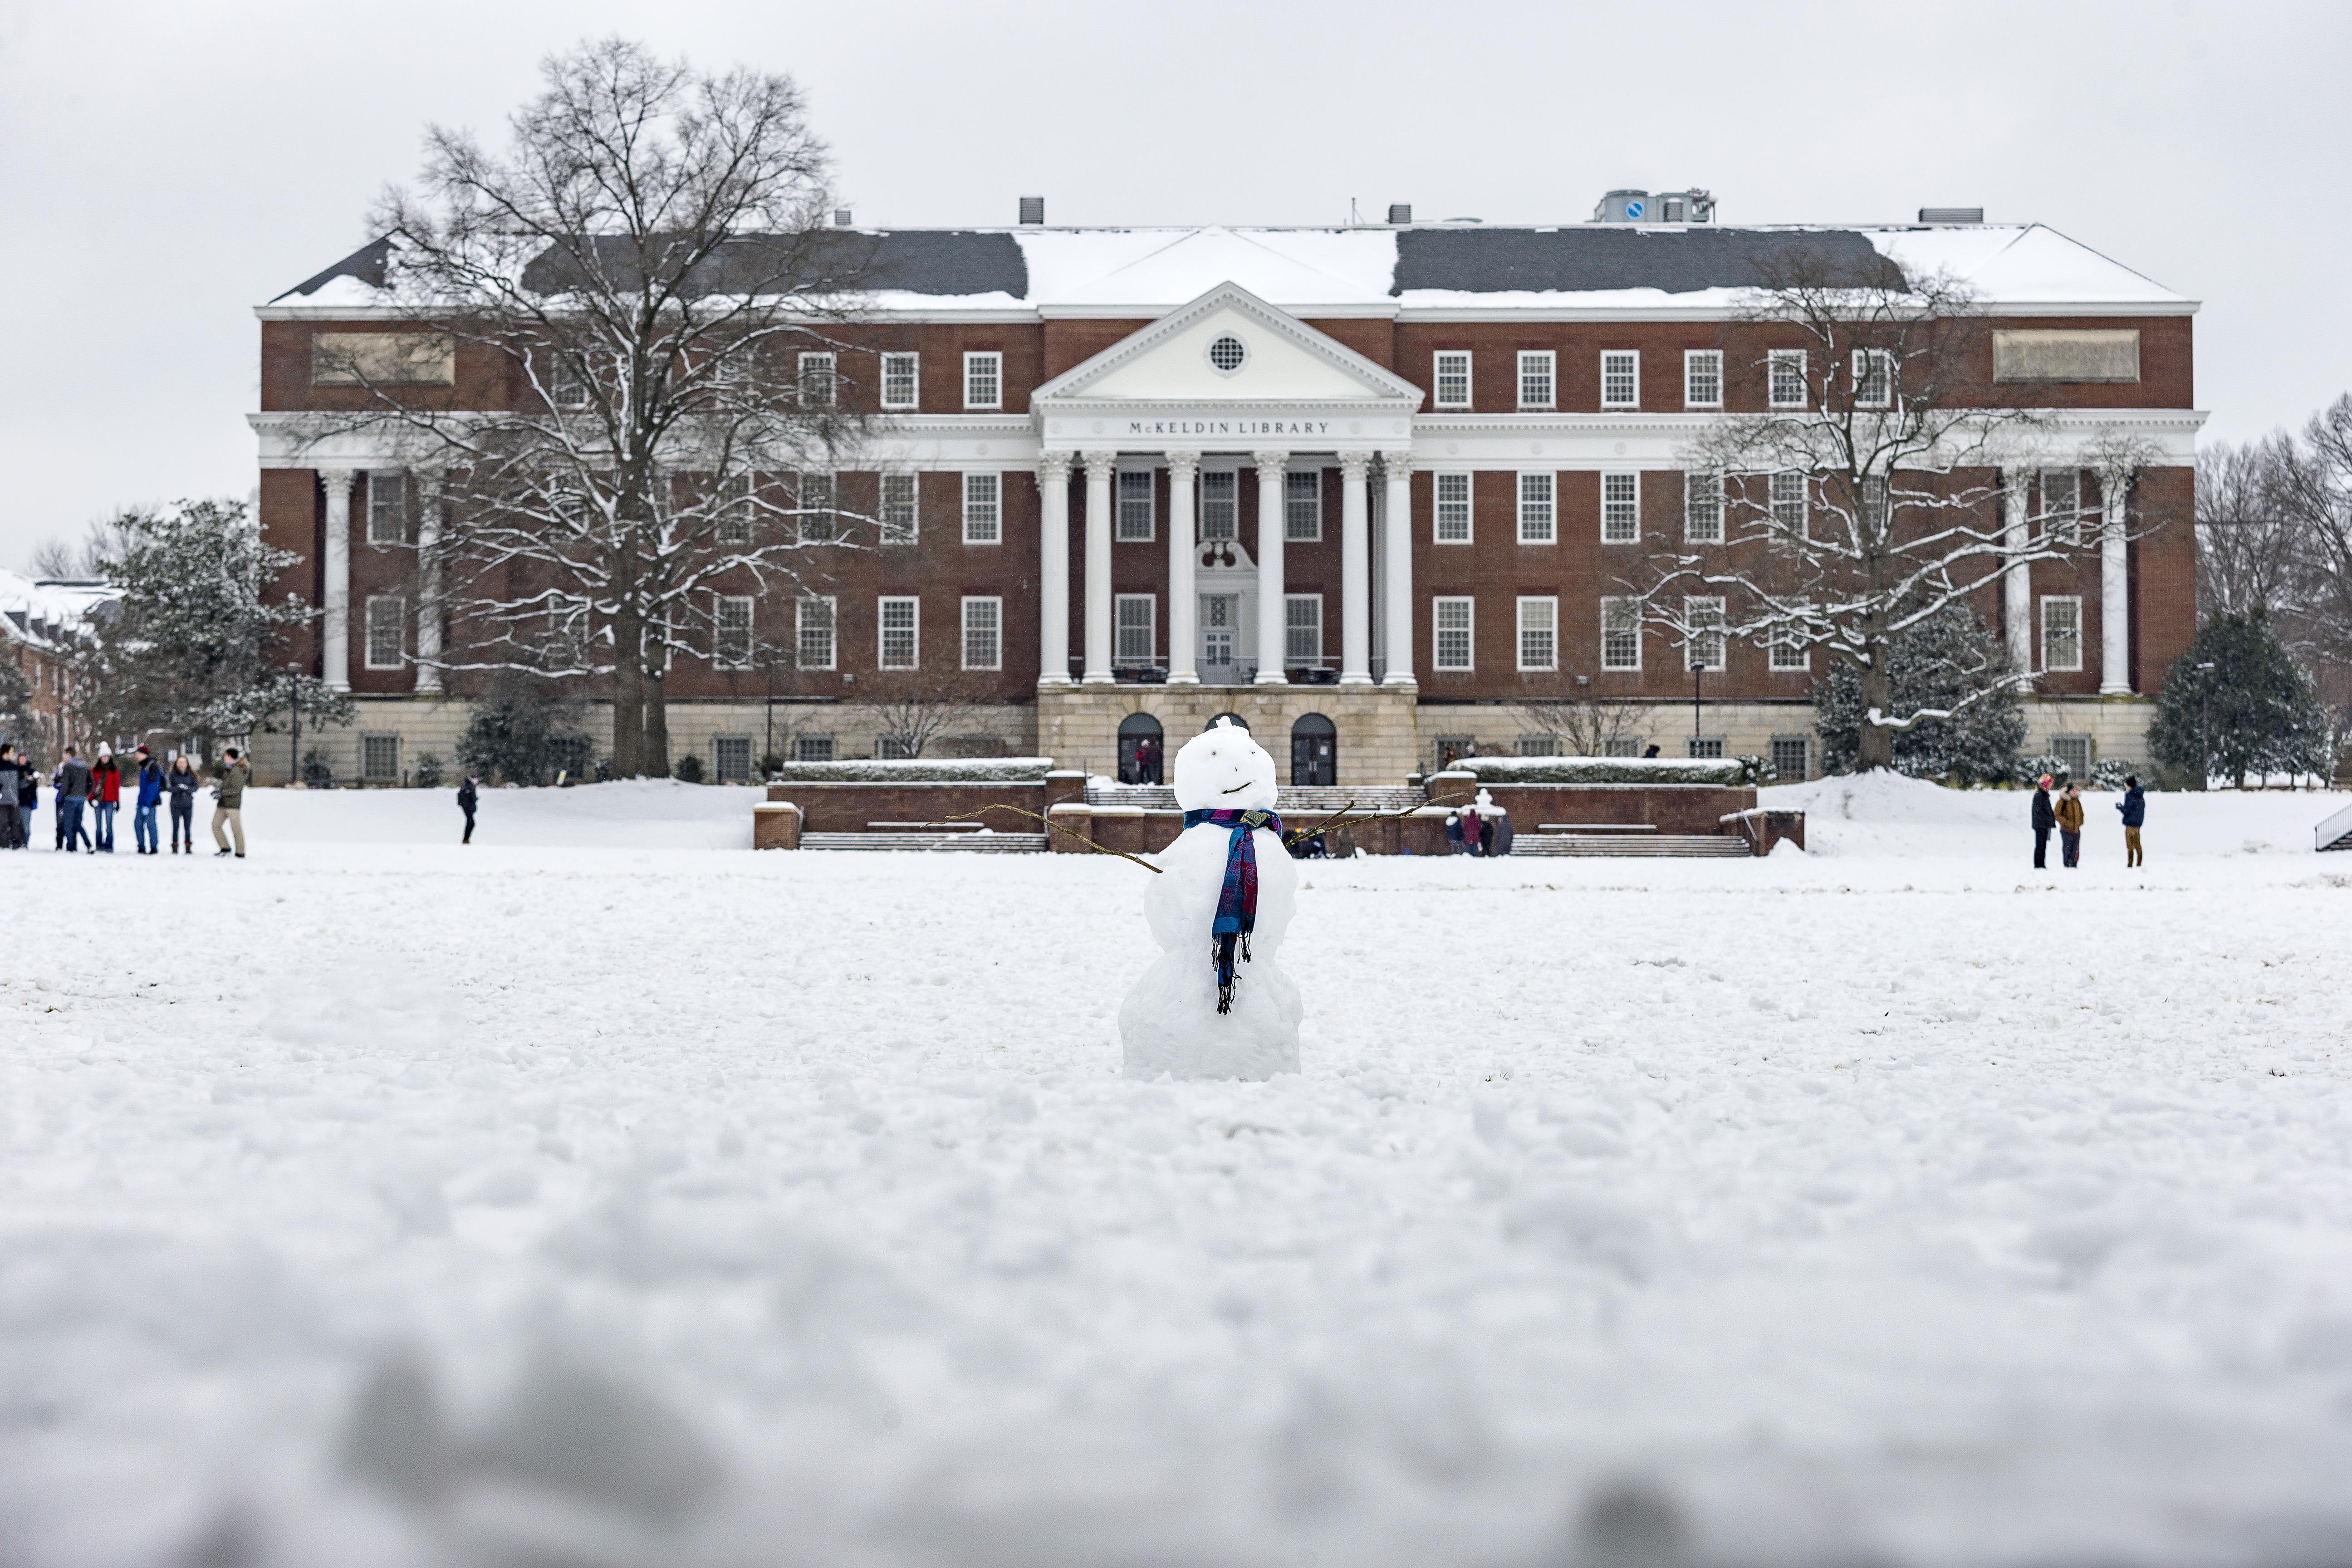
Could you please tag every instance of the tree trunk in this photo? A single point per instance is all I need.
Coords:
(657, 743)
(1875, 743)
(629, 695)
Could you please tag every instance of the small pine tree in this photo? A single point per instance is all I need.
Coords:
(522, 733)
(1948, 662)
(2236, 704)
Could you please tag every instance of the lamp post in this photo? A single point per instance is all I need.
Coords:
(2205, 726)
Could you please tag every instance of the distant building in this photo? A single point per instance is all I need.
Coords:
(39, 618)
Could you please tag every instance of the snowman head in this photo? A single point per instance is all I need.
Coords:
(1222, 769)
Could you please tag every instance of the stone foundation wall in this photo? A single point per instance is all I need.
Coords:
(1078, 726)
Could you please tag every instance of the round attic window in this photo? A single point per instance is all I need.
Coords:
(1228, 353)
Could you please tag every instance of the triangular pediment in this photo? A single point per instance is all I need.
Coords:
(1280, 359)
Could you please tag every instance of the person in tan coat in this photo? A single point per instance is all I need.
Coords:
(2069, 813)
(228, 789)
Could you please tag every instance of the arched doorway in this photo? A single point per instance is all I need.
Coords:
(1239, 723)
(1140, 748)
(1314, 751)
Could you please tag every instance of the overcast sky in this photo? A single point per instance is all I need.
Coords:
(165, 167)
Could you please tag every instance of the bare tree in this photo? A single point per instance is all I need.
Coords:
(915, 708)
(1583, 724)
(1867, 498)
(638, 300)
(2316, 475)
(2250, 538)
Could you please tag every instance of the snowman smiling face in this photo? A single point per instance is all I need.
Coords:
(1222, 769)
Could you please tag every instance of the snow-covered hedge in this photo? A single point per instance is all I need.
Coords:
(1723, 771)
(921, 770)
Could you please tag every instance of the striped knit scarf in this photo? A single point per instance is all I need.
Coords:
(1237, 900)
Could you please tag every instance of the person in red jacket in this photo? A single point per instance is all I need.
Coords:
(105, 796)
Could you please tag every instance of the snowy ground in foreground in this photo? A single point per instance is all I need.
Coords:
(693, 1207)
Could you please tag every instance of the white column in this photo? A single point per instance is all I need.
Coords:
(1100, 465)
(1355, 569)
(1397, 524)
(335, 622)
(2115, 589)
(1273, 623)
(1053, 569)
(428, 584)
(1184, 600)
(2017, 579)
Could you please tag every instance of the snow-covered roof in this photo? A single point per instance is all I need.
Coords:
(1436, 268)
(39, 610)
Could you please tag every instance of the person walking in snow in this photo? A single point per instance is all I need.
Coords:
(28, 800)
(73, 795)
(11, 771)
(180, 783)
(2069, 813)
(1471, 826)
(143, 809)
(105, 799)
(228, 790)
(2044, 819)
(1454, 833)
(467, 799)
(2133, 806)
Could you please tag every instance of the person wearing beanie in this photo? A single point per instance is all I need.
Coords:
(2044, 821)
(151, 796)
(105, 799)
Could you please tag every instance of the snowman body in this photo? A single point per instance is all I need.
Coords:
(1170, 1024)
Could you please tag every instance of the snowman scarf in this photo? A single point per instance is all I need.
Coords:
(1238, 899)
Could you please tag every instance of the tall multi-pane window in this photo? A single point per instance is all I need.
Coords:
(731, 640)
(812, 747)
(817, 381)
(2062, 503)
(734, 522)
(1621, 509)
(1539, 634)
(2062, 632)
(1791, 760)
(984, 633)
(1621, 634)
(1873, 378)
(900, 496)
(813, 504)
(1453, 509)
(380, 757)
(1220, 513)
(1453, 378)
(899, 624)
(812, 630)
(983, 381)
(1538, 511)
(1536, 378)
(1134, 629)
(1785, 649)
(387, 510)
(1702, 641)
(902, 381)
(387, 617)
(1789, 504)
(1449, 622)
(1702, 378)
(731, 757)
(1786, 375)
(1703, 507)
(1302, 505)
(983, 508)
(1134, 496)
(1621, 379)
(1302, 622)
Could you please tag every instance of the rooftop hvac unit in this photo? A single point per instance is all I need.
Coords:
(1693, 205)
(1951, 215)
(1400, 212)
(1032, 209)
(1623, 206)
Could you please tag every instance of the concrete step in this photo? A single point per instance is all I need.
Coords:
(965, 843)
(1717, 846)
(1313, 800)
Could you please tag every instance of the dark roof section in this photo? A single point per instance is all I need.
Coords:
(367, 264)
(833, 260)
(1602, 256)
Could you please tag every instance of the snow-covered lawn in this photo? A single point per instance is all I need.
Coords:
(600, 1193)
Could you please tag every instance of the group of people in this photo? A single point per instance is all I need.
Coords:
(2064, 814)
(88, 794)
(1479, 828)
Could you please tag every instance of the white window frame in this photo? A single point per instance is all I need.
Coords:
(1786, 653)
(2065, 527)
(387, 499)
(897, 527)
(1302, 486)
(1698, 644)
(1621, 513)
(379, 606)
(819, 523)
(819, 378)
(1443, 366)
(887, 606)
(1702, 502)
(1538, 618)
(1230, 482)
(983, 631)
(1883, 361)
(1775, 362)
(912, 365)
(1698, 362)
(1440, 607)
(1293, 623)
(983, 506)
(1125, 492)
(747, 607)
(1801, 501)
(1616, 608)
(2072, 605)
(1439, 484)
(804, 629)
(1544, 363)
(1539, 494)
(1134, 613)
(1631, 370)
(988, 366)
(734, 524)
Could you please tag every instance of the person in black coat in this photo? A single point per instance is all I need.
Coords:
(467, 800)
(2045, 820)
(2133, 806)
(9, 769)
(180, 785)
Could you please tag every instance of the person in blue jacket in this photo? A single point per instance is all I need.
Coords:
(151, 796)
(2133, 806)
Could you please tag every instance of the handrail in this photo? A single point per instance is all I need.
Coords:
(2334, 833)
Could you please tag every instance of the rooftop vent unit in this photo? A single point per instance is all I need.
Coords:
(1032, 209)
(1400, 212)
(1951, 215)
(842, 218)
(1667, 206)
(1623, 206)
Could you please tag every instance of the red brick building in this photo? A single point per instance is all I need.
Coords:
(1404, 463)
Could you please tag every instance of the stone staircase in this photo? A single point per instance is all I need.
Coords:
(963, 843)
(2336, 833)
(1722, 845)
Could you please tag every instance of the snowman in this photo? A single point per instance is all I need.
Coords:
(1216, 1005)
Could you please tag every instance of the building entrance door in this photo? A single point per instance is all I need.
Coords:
(1221, 618)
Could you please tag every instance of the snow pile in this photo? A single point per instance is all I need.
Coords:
(1721, 771)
